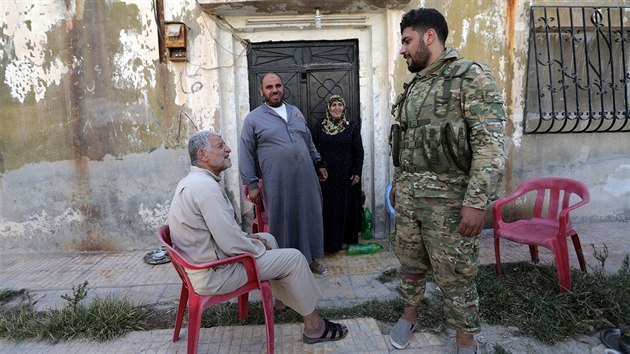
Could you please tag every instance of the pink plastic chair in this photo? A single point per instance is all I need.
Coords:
(197, 303)
(261, 221)
(550, 225)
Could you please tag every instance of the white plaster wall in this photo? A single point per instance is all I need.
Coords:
(206, 84)
(26, 73)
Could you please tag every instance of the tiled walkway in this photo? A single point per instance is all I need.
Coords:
(350, 280)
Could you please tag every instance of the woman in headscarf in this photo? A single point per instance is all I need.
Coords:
(338, 140)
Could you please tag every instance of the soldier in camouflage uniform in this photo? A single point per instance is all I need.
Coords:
(449, 166)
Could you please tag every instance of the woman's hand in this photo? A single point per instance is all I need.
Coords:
(322, 174)
(354, 179)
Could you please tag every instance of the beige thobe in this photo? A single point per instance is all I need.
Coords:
(203, 228)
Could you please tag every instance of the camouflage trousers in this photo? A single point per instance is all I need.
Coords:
(427, 240)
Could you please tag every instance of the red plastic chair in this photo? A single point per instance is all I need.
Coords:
(197, 303)
(549, 230)
(261, 221)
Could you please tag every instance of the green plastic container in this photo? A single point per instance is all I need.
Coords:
(364, 248)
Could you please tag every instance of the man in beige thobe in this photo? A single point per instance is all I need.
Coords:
(203, 228)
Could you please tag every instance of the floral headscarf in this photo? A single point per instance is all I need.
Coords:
(330, 125)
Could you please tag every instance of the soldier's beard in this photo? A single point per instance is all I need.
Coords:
(420, 59)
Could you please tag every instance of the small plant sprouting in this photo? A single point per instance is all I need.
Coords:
(601, 255)
(79, 292)
(625, 269)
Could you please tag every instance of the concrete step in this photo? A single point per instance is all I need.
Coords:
(364, 337)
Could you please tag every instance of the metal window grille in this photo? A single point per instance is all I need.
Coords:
(578, 70)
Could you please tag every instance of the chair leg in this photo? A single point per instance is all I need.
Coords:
(255, 227)
(497, 255)
(243, 301)
(562, 266)
(533, 252)
(578, 250)
(194, 325)
(181, 308)
(267, 300)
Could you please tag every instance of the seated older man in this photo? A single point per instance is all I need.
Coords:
(203, 229)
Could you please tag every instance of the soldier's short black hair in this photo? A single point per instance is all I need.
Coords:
(422, 19)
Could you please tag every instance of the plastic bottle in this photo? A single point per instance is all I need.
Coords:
(364, 248)
(366, 225)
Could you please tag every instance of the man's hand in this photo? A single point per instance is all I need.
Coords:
(254, 195)
(322, 174)
(471, 221)
(354, 179)
(262, 240)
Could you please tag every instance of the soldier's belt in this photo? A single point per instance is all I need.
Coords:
(414, 169)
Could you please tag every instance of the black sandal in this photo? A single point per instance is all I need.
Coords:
(337, 333)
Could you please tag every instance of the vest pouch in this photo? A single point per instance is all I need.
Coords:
(394, 140)
(458, 145)
(434, 148)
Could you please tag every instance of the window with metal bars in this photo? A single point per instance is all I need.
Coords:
(578, 77)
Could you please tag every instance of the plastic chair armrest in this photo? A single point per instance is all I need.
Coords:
(564, 216)
(496, 207)
(245, 258)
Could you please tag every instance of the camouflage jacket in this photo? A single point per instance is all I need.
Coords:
(461, 98)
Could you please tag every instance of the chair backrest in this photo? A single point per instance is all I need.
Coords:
(261, 213)
(554, 193)
(177, 260)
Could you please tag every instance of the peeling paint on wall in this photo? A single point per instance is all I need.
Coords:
(156, 216)
(618, 182)
(465, 29)
(134, 67)
(24, 41)
(41, 223)
(176, 9)
(490, 27)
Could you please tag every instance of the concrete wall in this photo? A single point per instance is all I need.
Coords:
(91, 133)
(497, 32)
(93, 126)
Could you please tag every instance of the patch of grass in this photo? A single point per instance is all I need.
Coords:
(527, 297)
(102, 319)
(8, 295)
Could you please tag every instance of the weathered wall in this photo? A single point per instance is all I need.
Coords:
(92, 142)
(497, 32)
(90, 121)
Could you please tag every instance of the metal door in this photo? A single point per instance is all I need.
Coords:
(311, 72)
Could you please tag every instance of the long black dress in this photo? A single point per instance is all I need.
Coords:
(343, 155)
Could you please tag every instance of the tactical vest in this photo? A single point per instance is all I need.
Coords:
(433, 133)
